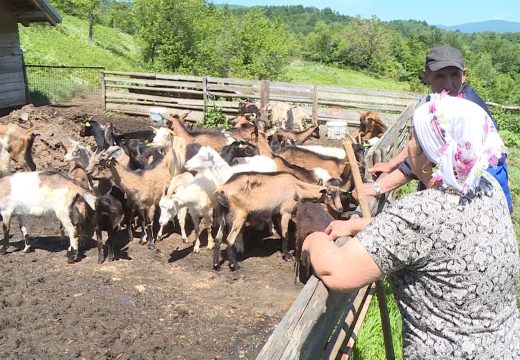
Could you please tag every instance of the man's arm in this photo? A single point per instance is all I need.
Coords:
(391, 165)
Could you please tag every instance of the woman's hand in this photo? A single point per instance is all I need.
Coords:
(313, 241)
(338, 228)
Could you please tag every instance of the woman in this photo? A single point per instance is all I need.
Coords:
(450, 252)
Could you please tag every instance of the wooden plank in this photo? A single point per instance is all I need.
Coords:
(12, 98)
(11, 59)
(10, 67)
(11, 77)
(143, 110)
(155, 89)
(155, 83)
(5, 87)
(231, 81)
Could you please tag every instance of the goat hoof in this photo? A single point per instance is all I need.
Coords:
(151, 246)
(287, 257)
(28, 249)
(72, 256)
(235, 267)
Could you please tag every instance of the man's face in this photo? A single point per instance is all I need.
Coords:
(449, 79)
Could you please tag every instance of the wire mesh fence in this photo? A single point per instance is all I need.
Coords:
(61, 84)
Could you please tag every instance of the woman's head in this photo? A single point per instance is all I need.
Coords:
(459, 137)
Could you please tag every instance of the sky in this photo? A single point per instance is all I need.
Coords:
(436, 12)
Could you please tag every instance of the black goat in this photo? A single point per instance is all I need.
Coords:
(108, 217)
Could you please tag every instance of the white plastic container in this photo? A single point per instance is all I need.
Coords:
(336, 129)
(156, 115)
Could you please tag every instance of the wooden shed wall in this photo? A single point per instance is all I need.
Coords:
(12, 82)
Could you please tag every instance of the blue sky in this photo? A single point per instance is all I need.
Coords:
(436, 12)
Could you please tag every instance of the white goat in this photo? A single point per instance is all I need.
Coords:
(178, 181)
(197, 199)
(40, 193)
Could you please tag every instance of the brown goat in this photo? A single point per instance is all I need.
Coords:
(215, 139)
(20, 144)
(370, 126)
(310, 217)
(286, 137)
(270, 194)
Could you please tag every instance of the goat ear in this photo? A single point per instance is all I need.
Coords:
(165, 190)
(184, 116)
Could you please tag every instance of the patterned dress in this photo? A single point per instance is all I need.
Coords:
(453, 269)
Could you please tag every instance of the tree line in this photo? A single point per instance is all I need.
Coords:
(197, 37)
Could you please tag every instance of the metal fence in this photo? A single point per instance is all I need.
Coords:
(62, 84)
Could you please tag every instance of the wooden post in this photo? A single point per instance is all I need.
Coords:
(103, 89)
(383, 308)
(315, 105)
(205, 91)
(264, 100)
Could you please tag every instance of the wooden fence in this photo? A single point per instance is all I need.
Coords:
(135, 93)
(322, 324)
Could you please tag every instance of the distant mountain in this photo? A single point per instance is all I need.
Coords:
(498, 26)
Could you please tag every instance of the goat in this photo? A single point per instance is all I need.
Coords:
(370, 126)
(178, 181)
(337, 152)
(302, 173)
(108, 217)
(280, 114)
(310, 217)
(40, 193)
(19, 144)
(238, 149)
(79, 157)
(245, 194)
(245, 107)
(198, 198)
(296, 116)
(106, 136)
(144, 190)
(215, 139)
(285, 137)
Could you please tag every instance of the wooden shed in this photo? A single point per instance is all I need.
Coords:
(13, 85)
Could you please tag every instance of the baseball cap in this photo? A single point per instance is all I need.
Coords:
(443, 56)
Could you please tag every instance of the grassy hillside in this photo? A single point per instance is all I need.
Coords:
(315, 73)
(67, 44)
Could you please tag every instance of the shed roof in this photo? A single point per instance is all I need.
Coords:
(28, 11)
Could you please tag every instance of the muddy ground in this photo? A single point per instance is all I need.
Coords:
(165, 303)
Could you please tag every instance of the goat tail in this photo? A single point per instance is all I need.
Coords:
(28, 152)
(222, 199)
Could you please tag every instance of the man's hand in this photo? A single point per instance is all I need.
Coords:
(366, 189)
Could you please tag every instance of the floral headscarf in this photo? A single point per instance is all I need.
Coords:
(460, 138)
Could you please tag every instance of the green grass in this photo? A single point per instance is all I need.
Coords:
(67, 44)
(314, 73)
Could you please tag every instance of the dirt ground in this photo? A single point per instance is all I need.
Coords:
(165, 303)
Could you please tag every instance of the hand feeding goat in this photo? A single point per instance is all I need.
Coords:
(268, 194)
(40, 193)
(370, 126)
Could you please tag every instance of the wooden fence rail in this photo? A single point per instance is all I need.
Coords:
(135, 93)
(322, 324)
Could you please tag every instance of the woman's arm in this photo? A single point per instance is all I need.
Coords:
(344, 268)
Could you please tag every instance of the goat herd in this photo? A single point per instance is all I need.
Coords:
(250, 174)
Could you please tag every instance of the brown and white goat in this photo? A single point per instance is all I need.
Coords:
(19, 144)
(40, 193)
(269, 194)
(286, 137)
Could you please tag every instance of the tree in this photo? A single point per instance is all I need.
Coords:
(264, 47)
(318, 44)
(361, 43)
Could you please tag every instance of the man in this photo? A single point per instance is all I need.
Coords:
(444, 70)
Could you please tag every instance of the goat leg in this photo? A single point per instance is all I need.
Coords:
(6, 225)
(196, 229)
(110, 245)
(284, 223)
(232, 258)
(218, 241)
(23, 229)
(99, 238)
